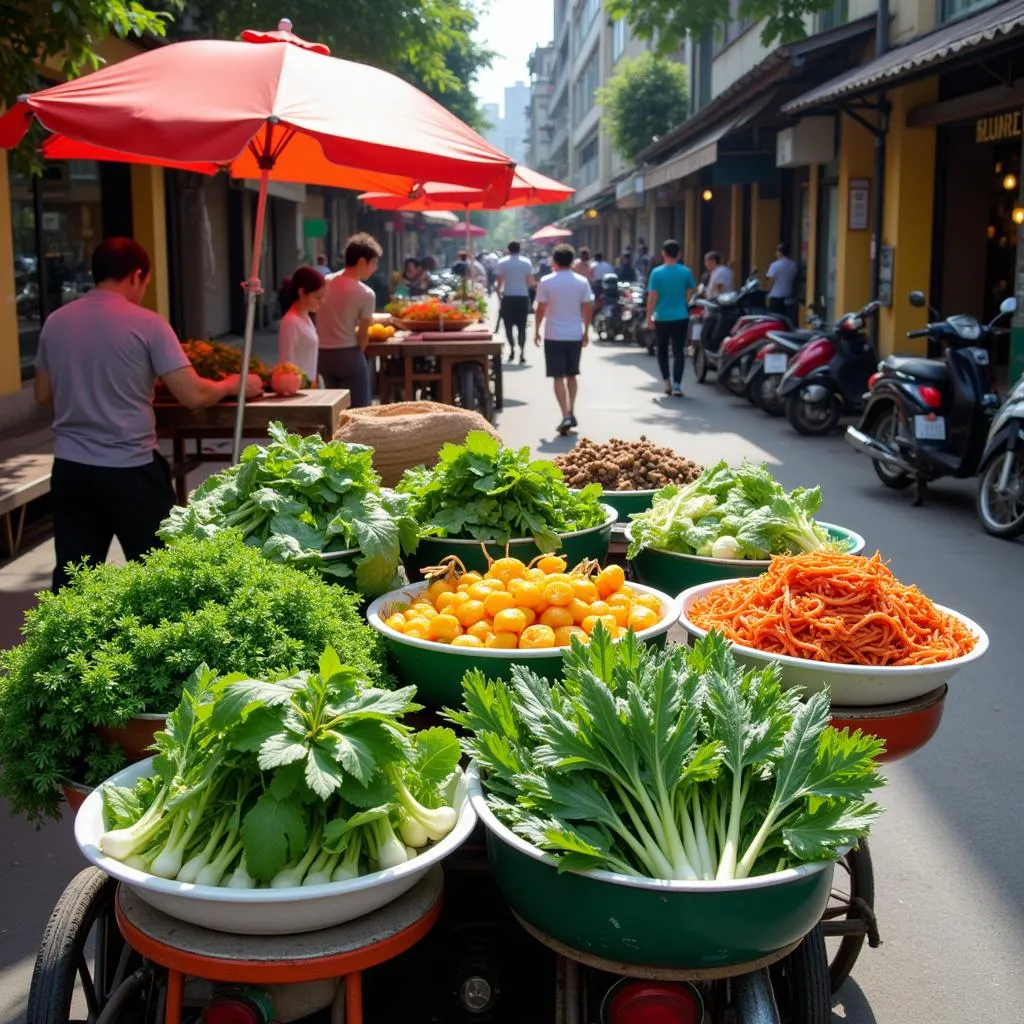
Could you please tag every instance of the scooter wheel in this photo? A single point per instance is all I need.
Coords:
(700, 363)
(735, 380)
(812, 419)
(885, 428)
(1002, 515)
(764, 393)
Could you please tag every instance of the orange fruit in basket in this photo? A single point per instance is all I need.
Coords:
(526, 593)
(610, 623)
(609, 579)
(537, 637)
(649, 601)
(509, 620)
(556, 616)
(585, 590)
(470, 612)
(558, 592)
(506, 569)
(444, 628)
(564, 635)
(481, 630)
(467, 640)
(498, 601)
(642, 617)
(503, 641)
(551, 564)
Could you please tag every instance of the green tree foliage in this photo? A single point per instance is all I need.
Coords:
(671, 21)
(643, 99)
(430, 43)
(35, 32)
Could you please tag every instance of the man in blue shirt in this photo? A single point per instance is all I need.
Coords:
(669, 289)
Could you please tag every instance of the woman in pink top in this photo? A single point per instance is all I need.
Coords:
(296, 335)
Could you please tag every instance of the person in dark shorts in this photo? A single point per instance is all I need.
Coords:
(668, 296)
(98, 360)
(565, 304)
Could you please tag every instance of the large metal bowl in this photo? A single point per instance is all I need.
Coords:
(575, 546)
(436, 669)
(850, 685)
(673, 572)
(682, 925)
(265, 911)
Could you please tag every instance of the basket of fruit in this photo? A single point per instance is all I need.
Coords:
(380, 332)
(515, 612)
(431, 314)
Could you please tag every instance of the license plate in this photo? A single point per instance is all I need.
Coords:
(930, 428)
(775, 362)
(695, 328)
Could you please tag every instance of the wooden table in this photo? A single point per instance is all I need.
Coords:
(316, 411)
(447, 353)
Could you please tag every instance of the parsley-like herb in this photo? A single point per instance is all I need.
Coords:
(484, 491)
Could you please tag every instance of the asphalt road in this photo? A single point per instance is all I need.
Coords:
(949, 876)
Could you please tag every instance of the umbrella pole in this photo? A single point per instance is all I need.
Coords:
(253, 290)
(471, 269)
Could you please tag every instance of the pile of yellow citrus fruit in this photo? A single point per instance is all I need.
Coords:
(525, 607)
(381, 332)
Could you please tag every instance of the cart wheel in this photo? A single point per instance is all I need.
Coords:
(473, 390)
(83, 959)
(849, 916)
(801, 983)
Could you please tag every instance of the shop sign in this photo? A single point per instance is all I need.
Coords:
(860, 204)
(998, 127)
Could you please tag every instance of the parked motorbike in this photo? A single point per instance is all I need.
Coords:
(608, 319)
(771, 360)
(737, 351)
(826, 379)
(1001, 488)
(929, 418)
(720, 316)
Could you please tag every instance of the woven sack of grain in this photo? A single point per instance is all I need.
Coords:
(408, 434)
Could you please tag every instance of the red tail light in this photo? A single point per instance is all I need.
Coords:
(931, 397)
(871, 380)
(652, 1002)
(230, 1010)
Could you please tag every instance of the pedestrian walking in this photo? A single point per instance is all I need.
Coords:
(565, 304)
(98, 361)
(783, 274)
(343, 321)
(600, 267)
(323, 267)
(513, 275)
(583, 266)
(643, 260)
(669, 289)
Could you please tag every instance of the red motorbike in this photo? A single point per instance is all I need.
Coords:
(737, 351)
(770, 362)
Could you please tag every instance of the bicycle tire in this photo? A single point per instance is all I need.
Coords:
(801, 982)
(862, 890)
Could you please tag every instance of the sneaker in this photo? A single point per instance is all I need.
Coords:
(564, 426)
(572, 420)
(677, 391)
(522, 359)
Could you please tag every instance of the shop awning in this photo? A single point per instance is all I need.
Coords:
(966, 36)
(441, 216)
(704, 151)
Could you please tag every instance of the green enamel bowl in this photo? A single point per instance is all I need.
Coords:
(672, 572)
(436, 670)
(628, 503)
(680, 925)
(575, 547)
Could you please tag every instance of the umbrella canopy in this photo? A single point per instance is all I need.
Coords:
(472, 230)
(272, 107)
(529, 188)
(550, 234)
(272, 98)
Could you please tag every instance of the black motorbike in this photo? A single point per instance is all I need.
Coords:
(929, 418)
(827, 377)
(720, 316)
(609, 322)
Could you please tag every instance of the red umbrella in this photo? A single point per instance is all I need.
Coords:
(550, 234)
(282, 110)
(473, 230)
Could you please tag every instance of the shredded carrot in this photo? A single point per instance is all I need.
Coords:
(843, 609)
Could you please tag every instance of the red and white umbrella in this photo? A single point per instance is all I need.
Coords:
(550, 234)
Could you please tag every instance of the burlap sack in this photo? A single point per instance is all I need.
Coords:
(408, 434)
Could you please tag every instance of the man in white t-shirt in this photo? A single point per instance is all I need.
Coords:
(782, 274)
(514, 274)
(565, 304)
(601, 267)
(720, 276)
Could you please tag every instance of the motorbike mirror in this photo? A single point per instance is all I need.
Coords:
(918, 300)
(1008, 306)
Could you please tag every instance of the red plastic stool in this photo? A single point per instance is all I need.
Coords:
(345, 951)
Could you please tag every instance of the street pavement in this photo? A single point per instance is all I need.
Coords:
(948, 871)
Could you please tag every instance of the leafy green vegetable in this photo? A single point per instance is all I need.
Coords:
(252, 776)
(122, 639)
(487, 492)
(730, 513)
(302, 500)
(668, 764)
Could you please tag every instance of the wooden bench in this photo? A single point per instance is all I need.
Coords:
(23, 478)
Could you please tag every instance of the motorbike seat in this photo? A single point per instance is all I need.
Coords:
(934, 370)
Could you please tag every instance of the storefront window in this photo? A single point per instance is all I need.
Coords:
(957, 8)
(56, 222)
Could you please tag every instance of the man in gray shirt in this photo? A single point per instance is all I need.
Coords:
(99, 358)
(514, 274)
(783, 274)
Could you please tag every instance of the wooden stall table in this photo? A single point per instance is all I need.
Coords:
(315, 411)
(395, 367)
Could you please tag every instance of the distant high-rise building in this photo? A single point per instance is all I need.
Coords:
(517, 99)
(495, 133)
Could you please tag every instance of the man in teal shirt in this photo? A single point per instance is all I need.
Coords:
(668, 298)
